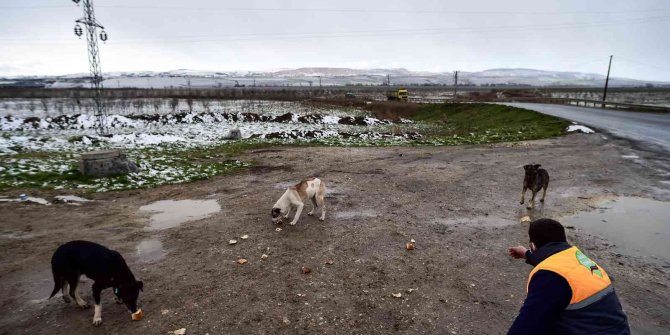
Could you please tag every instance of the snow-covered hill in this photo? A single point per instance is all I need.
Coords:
(330, 76)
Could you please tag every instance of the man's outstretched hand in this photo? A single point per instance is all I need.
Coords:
(518, 251)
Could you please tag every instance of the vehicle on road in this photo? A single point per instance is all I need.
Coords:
(400, 94)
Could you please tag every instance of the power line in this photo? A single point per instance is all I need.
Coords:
(359, 33)
(599, 59)
(643, 64)
(345, 10)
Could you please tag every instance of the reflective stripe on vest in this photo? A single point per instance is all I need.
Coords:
(588, 282)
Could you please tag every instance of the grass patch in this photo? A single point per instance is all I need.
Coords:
(156, 167)
(492, 122)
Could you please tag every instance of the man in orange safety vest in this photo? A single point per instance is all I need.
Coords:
(568, 293)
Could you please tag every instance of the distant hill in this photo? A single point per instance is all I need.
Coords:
(329, 76)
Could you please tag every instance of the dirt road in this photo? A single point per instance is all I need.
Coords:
(460, 204)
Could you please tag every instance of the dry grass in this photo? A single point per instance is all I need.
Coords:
(392, 110)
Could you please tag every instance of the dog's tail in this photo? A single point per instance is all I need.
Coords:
(319, 185)
(56, 289)
(58, 284)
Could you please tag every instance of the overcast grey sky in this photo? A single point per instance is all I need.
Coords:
(36, 36)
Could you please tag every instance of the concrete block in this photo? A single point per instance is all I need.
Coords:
(105, 163)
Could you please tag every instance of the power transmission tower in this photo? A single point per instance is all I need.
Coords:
(94, 60)
(455, 85)
(607, 80)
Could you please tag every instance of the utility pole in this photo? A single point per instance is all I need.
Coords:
(455, 85)
(94, 60)
(388, 79)
(319, 81)
(607, 81)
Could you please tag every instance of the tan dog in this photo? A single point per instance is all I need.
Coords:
(295, 196)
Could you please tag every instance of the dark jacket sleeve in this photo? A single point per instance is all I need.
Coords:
(548, 295)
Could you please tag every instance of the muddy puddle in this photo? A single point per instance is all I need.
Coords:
(149, 251)
(172, 213)
(636, 226)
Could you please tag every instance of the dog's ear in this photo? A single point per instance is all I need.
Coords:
(276, 212)
(537, 166)
(140, 284)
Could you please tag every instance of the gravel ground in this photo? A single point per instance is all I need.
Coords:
(460, 204)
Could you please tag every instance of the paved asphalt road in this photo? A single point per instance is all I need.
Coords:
(652, 128)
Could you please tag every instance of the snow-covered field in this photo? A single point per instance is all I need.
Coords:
(42, 149)
(289, 121)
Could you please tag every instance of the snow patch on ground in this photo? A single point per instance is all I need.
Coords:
(580, 128)
(146, 139)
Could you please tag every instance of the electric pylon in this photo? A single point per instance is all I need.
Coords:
(94, 60)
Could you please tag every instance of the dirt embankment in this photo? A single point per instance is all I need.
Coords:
(460, 204)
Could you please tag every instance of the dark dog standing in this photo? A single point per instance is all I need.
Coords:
(105, 267)
(535, 180)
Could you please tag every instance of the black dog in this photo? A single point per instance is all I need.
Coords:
(535, 180)
(105, 267)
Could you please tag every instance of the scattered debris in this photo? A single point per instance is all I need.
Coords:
(137, 316)
(244, 237)
(525, 219)
(286, 321)
(278, 229)
(181, 331)
(410, 290)
(242, 261)
(412, 241)
(24, 198)
(38, 201)
(409, 246)
(329, 262)
(231, 242)
(233, 134)
(70, 198)
(165, 311)
(306, 270)
(264, 256)
(397, 295)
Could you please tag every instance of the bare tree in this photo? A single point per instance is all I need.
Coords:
(31, 108)
(189, 102)
(45, 105)
(139, 105)
(174, 102)
(205, 104)
(157, 105)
